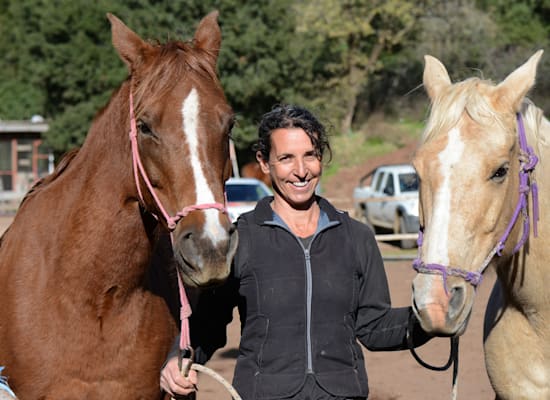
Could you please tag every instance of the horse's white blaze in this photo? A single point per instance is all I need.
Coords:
(439, 235)
(190, 110)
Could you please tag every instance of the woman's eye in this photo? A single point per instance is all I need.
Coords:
(311, 157)
(284, 159)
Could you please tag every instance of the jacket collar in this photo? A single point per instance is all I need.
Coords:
(264, 213)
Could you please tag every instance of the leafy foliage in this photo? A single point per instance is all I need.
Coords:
(360, 33)
(342, 58)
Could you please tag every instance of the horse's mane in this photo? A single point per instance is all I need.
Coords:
(43, 182)
(448, 108)
(533, 118)
(176, 60)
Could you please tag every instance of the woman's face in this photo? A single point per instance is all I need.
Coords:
(294, 167)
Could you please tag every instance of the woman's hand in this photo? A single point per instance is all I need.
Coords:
(173, 382)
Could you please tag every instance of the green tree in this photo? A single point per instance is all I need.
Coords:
(59, 62)
(523, 28)
(330, 55)
(457, 33)
(357, 34)
(64, 68)
(263, 61)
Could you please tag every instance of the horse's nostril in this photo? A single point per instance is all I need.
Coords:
(456, 300)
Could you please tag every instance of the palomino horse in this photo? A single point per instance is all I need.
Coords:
(483, 153)
(79, 319)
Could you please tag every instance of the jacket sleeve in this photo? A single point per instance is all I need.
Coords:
(212, 312)
(379, 326)
(209, 320)
(214, 308)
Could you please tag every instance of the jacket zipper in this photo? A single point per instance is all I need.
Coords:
(309, 284)
(309, 291)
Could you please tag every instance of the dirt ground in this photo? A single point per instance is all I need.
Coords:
(392, 375)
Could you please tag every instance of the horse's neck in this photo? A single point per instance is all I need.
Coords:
(104, 175)
(538, 137)
(527, 277)
(89, 214)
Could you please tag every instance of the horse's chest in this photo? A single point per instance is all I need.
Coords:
(518, 357)
(115, 356)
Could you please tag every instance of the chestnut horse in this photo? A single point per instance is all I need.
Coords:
(482, 156)
(79, 319)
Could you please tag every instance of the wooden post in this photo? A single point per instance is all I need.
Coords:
(233, 157)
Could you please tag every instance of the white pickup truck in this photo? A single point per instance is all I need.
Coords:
(387, 197)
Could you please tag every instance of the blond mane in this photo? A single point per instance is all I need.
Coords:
(463, 97)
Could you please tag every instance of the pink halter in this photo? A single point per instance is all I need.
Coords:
(171, 222)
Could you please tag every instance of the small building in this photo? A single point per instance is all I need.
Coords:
(23, 157)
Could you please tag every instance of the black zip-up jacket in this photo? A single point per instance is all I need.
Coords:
(303, 309)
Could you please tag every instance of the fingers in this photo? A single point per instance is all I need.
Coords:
(173, 383)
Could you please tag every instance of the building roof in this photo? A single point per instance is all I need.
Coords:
(23, 126)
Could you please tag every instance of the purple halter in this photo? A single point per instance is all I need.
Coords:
(528, 161)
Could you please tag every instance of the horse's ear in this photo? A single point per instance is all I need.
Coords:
(208, 36)
(436, 77)
(511, 92)
(128, 44)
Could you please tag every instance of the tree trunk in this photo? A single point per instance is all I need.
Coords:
(350, 113)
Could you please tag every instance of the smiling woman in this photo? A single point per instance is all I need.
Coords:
(308, 279)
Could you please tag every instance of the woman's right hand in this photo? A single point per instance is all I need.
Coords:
(173, 382)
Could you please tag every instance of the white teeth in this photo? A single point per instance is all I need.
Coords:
(299, 184)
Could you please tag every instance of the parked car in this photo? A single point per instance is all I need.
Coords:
(243, 194)
(390, 200)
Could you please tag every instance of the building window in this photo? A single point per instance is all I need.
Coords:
(44, 159)
(6, 173)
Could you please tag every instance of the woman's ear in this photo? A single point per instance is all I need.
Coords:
(264, 165)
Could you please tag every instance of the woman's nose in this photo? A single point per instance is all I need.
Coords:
(300, 168)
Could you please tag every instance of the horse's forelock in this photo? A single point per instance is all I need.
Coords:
(463, 97)
(173, 62)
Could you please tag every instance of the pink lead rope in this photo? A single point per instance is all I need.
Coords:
(171, 222)
(185, 313)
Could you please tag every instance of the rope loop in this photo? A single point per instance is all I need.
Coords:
(453, 353)
(453, 357)
(184, 369)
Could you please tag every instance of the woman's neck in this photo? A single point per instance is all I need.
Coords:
(302, 222)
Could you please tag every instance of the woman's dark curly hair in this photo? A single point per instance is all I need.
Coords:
(291, 116)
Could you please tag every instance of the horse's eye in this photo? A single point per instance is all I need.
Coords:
(144, 129)
(500, 174)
